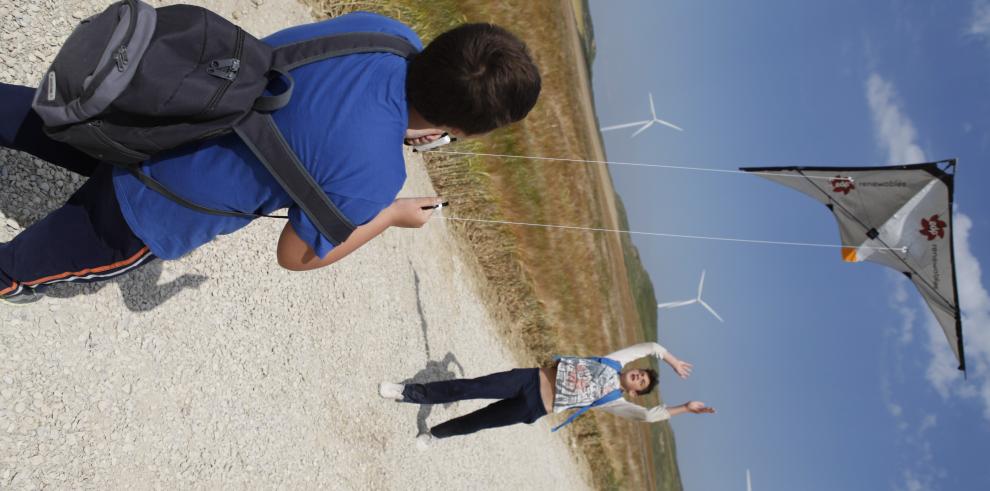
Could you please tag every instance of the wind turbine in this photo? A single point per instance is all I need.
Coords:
(681, 303)
(645, 124)
(749, 484)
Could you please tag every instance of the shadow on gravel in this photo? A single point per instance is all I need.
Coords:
(140, 289)
(25, 200)
(435, 370)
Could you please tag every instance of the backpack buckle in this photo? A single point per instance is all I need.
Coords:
(226, 68)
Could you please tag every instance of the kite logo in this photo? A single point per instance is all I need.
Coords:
(842, 185)
(932, 227)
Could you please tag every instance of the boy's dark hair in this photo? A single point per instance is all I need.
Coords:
(653, 381)
(475, 78)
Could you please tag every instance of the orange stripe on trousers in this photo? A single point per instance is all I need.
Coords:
(125, 262)
(7, 290)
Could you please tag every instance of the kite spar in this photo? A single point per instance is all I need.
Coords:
(899, 216)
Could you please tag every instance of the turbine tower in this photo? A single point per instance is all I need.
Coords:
(644, 124)
(681, 303)
(749, 484)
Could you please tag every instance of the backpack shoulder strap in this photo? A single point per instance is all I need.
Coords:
(262, 136)
(294, 55)
(160, 188)
(289, 56)
(259, 133)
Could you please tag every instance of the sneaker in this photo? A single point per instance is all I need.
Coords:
(26, 296)
(391, 391)
(423, 441)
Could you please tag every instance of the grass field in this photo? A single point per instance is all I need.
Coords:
(582, 20)
(554, 292)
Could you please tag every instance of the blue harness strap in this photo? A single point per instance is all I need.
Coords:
(605, 399)
(608, 361)
(600, 359)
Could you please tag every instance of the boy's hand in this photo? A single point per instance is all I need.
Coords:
(682, 368)
(698, 407)
(408, 212)
(420, 137)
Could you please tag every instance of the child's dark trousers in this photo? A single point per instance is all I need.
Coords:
(87, 238)
(519, 391)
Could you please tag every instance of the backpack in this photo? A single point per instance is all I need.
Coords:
(605, 399)
(134, 81)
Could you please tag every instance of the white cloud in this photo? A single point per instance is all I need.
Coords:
(894, 409)
(897, 135)
(920, 471)
(975, 303)
(916, 482)
(942, 372)
(895, 132)
(979, 23)
(899, 302)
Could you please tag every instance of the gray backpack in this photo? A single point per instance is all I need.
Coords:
(134, 81)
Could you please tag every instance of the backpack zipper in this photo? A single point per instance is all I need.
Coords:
(238, 48)
(120, 55)
(97, 125)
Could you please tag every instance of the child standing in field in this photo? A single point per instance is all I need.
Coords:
(570, 383)
(346, 121)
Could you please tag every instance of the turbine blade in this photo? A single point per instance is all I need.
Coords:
(645, 126)
(679, 303)
(653, 110)
(626, 125)
(674, 126)
(701, 284)
(710, 309)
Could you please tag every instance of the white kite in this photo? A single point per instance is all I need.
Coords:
(899, 216)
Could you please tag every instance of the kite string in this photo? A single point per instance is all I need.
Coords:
(659, 234)
(633, 232)
(632, 164)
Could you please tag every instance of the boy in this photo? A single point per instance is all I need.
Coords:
(347, 121)
(528, 394)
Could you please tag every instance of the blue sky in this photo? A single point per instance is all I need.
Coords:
(826, 375)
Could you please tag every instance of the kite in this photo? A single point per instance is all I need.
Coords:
(899, 216)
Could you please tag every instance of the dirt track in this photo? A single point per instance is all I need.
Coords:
(223, 370)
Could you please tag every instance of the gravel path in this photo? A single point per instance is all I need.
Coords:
(223, 370)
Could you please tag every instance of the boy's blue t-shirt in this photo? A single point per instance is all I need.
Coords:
(346, 121)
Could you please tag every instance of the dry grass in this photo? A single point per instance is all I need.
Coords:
(552, 290)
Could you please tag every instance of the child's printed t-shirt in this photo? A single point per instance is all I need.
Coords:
(582, 381)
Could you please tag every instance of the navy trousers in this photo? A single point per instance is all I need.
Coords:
(519, 391)
(87, 238)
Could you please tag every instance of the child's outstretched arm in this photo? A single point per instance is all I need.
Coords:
(637, 351)
(696, 407)
(680, 366)
(625, 409)
(295, 254)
